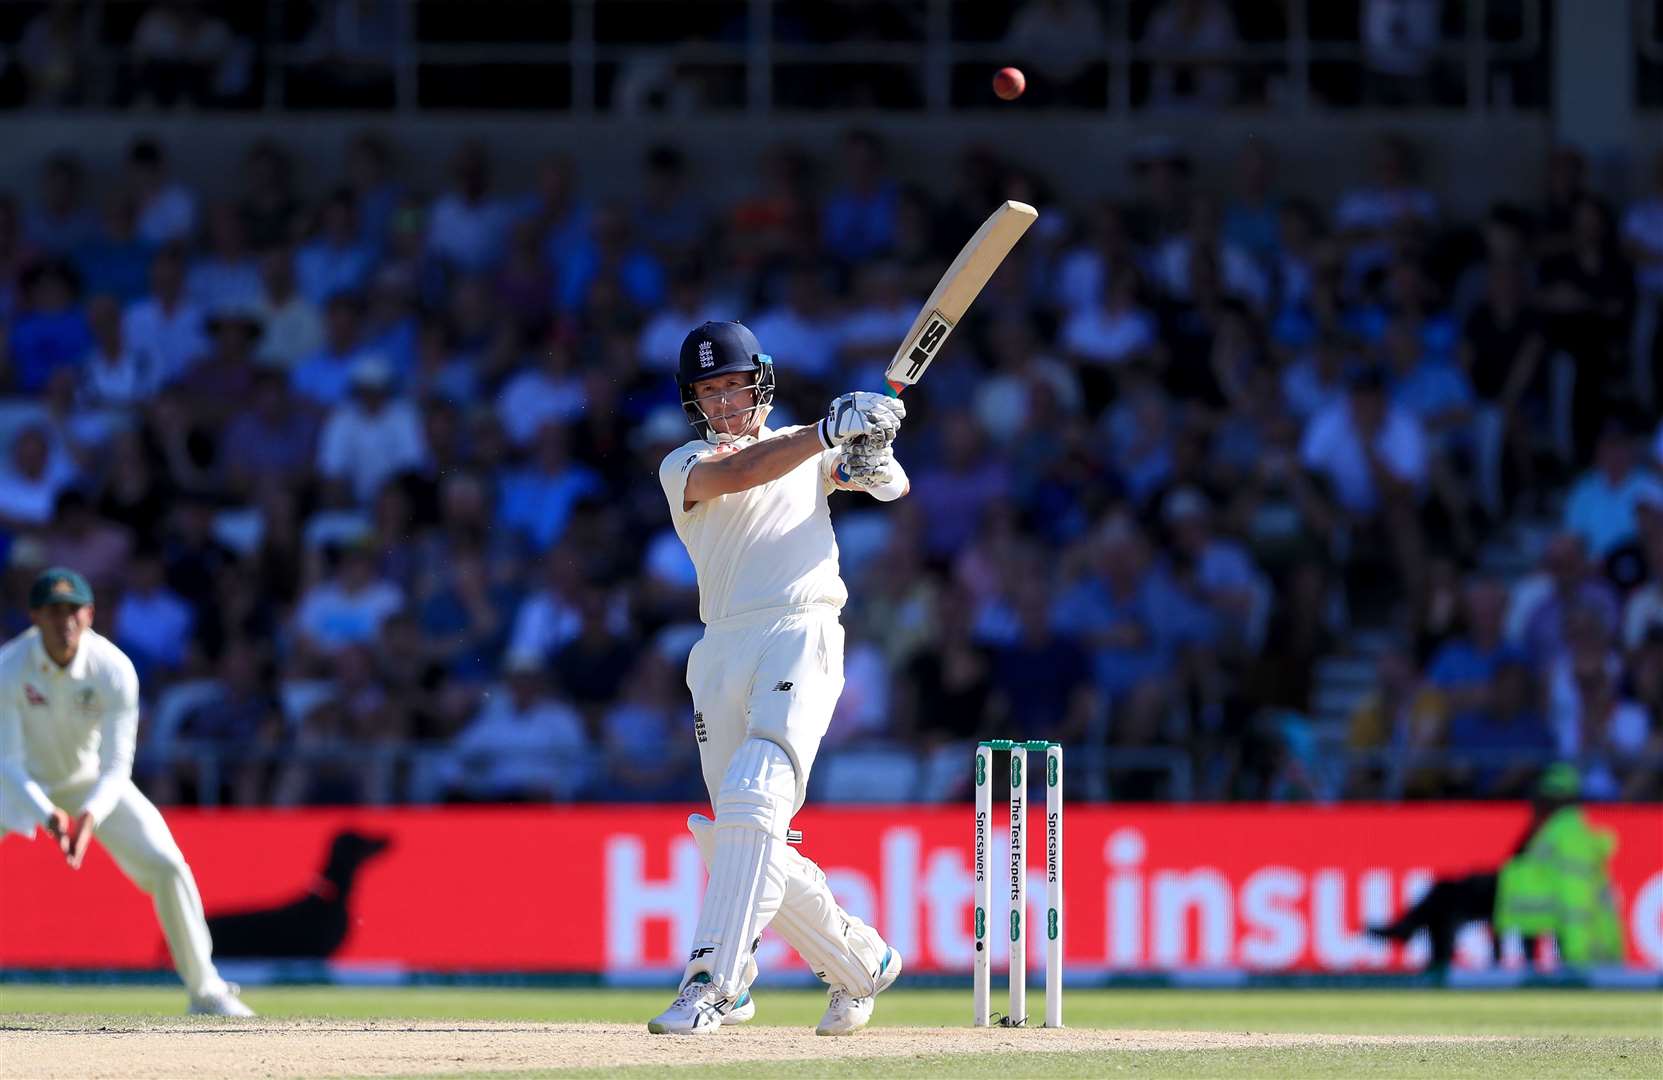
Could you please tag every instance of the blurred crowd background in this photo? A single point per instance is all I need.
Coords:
(1307, 498)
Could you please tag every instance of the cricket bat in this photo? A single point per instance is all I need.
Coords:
(955, 292)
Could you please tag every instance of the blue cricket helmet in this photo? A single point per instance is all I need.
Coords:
(721, 348)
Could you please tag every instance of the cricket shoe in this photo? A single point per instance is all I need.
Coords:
(697, 1010)
(846, 1014)
(744, 1009)
(223, 1003)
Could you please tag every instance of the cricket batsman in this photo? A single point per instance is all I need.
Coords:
(69, 721)
(750, 504)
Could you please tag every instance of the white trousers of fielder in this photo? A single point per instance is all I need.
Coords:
(763, 690)
(143, 847)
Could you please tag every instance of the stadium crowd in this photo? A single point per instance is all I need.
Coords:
(376, 470)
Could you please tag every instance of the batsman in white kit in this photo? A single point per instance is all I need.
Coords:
(69, 720)
(750, 504)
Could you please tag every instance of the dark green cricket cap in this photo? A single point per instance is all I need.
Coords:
(59, 585)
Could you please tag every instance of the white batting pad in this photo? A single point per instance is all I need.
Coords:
(747, 872)
(841, 949)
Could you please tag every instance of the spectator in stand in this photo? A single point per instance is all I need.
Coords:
(1115, 330)
(166, 325)
(1502, 349)
(1542, 606)
(858, 222)
(187, 56)
(50, 331)
(593, 665)
(61, 222)
(1193, 41)
(1463, 667)
(1373, 457)
(1601, 507)
(349, 607)
(1221, 572)
(269, 206)
(1242, 275)
(1366, 216)
(166, 207)
(98, 548)
(274, 438)
(548, 618)
(1400, 41)
(31, 479)
(1642, 234)
(1082, 272)
(1587, 299)
(1644, 607)
(804, 326)
(468, 229)
(294, 328)
(525, 745)
(689, 304)
(616, 260)
(1317, 378)
(375, 193)
(53, 54)
(538, 397)
(113, 374)
(1042, 679)
(152, 623)
(670, 218)
(1499, 738)
(652, 712)
(115, 260)
(337, 259)
(16, 253)
(538, 501)
(324, 377)
(1253, 218)
(225, 378)
(371, 437)
(1567, 185)
(228, 275)
(1603, 729)
(1402, 725)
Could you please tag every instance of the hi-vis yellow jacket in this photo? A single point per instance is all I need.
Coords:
(1560, 884)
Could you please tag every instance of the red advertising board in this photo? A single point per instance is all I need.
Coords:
(616, 889)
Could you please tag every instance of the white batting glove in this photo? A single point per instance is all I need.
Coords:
(860, 413)
(867, 462)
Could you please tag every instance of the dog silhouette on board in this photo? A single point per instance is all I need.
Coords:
(312, 925)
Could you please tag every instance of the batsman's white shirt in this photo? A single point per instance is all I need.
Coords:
(64, 727)
(770, 546)
(770, 664)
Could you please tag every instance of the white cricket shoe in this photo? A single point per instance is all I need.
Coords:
(743, 1010)
(697, 1010)
(224, 1003)
(846, 1014)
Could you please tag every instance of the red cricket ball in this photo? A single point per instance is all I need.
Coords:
(1009, 83)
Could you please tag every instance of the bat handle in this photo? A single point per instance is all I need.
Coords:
(892, 388)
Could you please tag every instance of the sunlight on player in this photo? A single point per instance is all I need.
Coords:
(750, 504)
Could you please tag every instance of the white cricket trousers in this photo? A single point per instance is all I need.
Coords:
(139, 841)
(772, 675)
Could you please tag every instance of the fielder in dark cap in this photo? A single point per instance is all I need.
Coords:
(69, 720)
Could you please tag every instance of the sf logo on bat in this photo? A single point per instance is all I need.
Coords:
(928, 343)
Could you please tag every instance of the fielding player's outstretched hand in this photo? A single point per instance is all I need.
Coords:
(867, 461)
(861, 413)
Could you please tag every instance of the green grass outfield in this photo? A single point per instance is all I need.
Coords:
(1541, 1033)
